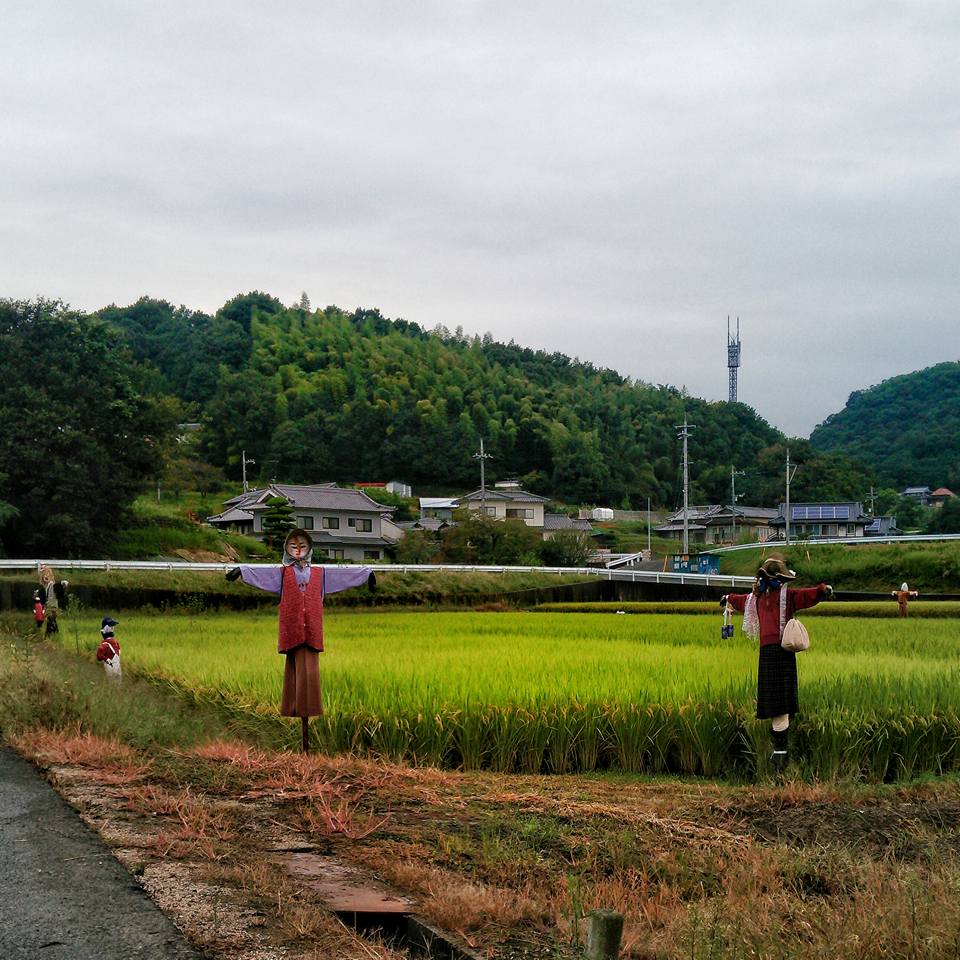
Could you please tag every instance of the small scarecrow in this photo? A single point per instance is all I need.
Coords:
(108, 653)
(302, 588)
(38, 614)
(53, 596)
(904, 595)
(778, 698)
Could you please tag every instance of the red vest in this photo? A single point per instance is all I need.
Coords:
(301, 612)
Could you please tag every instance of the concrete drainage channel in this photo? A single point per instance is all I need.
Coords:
(371, 909)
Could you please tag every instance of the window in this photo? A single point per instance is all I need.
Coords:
(305, 523)
(371, 554)
(520, 513)
(330, 523)
(361, 525)
(491, 511)
(333, 553)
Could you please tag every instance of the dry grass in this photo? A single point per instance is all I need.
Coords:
(798, 870)
(114, 761)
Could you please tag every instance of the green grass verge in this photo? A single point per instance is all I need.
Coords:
(927, 567)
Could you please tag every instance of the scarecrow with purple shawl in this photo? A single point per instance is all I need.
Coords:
(302, 588)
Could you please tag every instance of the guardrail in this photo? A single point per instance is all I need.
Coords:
(632, 576)
(847, 541)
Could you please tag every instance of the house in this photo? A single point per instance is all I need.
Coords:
(439, 508)
(507, 501)
(344, 524)
(823, 520)
(553, 523)
(719, 523)
(940, 496)
(882, 526)
(391, 486)
(918, 493)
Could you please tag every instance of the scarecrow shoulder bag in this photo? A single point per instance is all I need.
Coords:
(793, 634)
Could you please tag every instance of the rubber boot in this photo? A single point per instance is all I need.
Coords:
(780, 756)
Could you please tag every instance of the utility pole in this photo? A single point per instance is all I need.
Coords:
(483, 457)
(649, 548)
(734, 473)
(245, 461)
(684, 434)
(790, 474)
(873, 499)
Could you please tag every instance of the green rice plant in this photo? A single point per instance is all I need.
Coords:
(636, 737)
(566, 728)
(570, 692)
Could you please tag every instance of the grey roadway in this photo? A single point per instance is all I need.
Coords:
(62, 893)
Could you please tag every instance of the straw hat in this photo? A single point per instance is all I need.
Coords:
(775, 568)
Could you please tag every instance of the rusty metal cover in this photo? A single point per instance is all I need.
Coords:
(343, 888)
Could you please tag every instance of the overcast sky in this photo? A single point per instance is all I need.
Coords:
(609, 180)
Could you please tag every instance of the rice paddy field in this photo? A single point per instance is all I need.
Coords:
(554, 692)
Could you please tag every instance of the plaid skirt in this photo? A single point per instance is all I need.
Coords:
(777, 691)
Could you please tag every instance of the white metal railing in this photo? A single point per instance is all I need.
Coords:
(848, 541)
(633, 576)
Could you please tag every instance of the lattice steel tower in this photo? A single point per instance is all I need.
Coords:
(733, 359)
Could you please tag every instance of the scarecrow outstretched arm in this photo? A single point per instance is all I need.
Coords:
(263, 578)
(336, 579)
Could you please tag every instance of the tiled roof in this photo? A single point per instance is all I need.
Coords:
(942, 492)
(424, 523)
(318, 496)
(520, 496)
(233, 515)
(321, 538)
(560, 521)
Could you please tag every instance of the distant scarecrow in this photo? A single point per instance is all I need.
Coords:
(53, 596)
(302, 588)
(904, 595)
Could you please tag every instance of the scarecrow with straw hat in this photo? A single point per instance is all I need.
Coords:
(302, 588)
(765, 610)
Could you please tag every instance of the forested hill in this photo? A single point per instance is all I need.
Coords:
(907, 428)
(328, 395)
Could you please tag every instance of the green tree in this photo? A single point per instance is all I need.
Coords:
(77, 442)
(277, 522)
(945, 519)
(486, 540)
(418, 546)
(567, 548)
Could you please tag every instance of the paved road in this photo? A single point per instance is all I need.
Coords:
(63, 896)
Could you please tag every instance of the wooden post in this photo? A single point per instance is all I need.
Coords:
(305, 734)
(604, 930)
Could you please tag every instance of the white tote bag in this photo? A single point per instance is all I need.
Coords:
(793, 634)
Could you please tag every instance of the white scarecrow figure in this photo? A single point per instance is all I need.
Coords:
(108, 653)
(302, 588)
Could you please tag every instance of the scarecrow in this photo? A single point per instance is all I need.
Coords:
(108, 653)
(777, 689)
(38, 614)
(903, 595)
(302, 588)
(53, 596)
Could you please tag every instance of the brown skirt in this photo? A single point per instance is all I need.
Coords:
(301, 684)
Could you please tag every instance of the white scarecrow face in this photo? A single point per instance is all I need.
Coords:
(298, 546)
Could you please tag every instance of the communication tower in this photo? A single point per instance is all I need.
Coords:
(733, 359)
